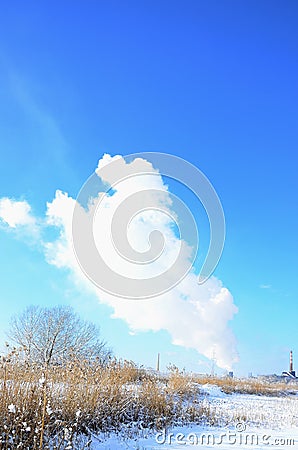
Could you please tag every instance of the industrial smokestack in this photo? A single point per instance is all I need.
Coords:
(291, 373)
(291, 361)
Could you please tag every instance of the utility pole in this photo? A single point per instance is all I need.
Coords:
(157, 365)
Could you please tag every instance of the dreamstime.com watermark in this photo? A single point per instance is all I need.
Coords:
(125, 179)
(239, 437)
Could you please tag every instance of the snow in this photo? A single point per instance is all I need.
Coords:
(12, 408)
(247, 421)
(213, 390)
(224, 438)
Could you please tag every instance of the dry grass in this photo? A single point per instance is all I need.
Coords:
(181, 384)
(248, 386)
(63, 407)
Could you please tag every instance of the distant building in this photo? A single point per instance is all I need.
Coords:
(291, 374)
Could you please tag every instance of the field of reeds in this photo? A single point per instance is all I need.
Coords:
(68, 407)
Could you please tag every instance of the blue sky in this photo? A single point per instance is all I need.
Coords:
(212, 82)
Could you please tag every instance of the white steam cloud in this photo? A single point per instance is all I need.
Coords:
(196, 316)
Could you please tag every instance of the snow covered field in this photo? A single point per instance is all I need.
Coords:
(248, 421)
(118, 406)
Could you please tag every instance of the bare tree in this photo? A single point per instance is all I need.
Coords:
(55, 335)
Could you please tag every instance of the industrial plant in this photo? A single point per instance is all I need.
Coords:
(290, 374)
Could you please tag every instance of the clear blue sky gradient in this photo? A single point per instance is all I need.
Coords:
(215, 82)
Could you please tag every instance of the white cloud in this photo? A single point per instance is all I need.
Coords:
(265, 286)
(195, 316)
(16, 213)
